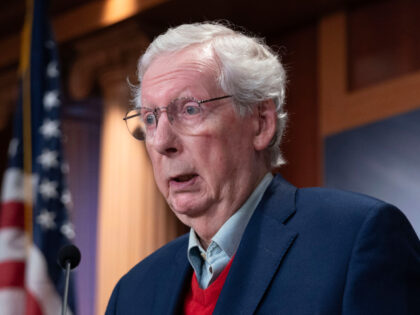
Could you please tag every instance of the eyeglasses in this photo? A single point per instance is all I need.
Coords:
(185, 115)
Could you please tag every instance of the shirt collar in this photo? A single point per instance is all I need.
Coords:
(229, 235)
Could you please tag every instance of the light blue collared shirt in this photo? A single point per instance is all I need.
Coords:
(209, 264)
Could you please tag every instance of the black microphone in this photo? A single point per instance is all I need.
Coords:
(68, 258)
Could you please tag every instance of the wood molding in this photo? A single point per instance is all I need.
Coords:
(332, 68)
(83, 20)
(119, 47)
(341, 109)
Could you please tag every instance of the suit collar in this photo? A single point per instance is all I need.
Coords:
(264, 245)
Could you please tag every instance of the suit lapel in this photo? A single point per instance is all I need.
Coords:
(173, 287)
(264, 244)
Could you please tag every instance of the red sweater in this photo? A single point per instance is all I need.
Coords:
(203, 301)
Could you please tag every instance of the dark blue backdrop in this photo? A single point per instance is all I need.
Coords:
(380, 159)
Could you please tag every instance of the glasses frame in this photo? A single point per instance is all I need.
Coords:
(158, 110)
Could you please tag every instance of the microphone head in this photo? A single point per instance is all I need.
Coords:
(69, 253)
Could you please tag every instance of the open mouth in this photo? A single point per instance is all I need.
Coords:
(183, 178)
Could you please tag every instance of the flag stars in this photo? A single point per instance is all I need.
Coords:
(50, 128)
(48, 189)
(66, 198)
(13, 146)
(51, 99)
(52, 69)
(46, 219)
(48, 159)
(67, 229)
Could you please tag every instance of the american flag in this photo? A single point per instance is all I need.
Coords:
(35, 202)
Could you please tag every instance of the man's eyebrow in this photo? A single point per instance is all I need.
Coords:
(189, 97)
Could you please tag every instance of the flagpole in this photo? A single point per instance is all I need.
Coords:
(25, 69)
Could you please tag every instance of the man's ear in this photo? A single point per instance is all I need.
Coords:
(266, 121)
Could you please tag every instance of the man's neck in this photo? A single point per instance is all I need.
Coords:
(206, 228)
(208, 225)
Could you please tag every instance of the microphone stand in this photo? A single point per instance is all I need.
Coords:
(66, 289)
(68, 258)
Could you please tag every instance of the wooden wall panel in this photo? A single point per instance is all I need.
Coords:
(302, 145)
(341, 108)
(383, 42)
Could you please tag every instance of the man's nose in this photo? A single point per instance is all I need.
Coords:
(165, 139)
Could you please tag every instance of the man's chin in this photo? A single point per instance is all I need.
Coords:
(185, 209)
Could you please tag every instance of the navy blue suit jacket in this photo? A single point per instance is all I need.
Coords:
(304, 251)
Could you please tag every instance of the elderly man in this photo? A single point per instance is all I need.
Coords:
(210, 111)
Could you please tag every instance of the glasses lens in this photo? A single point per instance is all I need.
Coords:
(135, 124)
(187, 113)
(184, 114)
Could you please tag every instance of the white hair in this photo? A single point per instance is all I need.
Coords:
(250, 71)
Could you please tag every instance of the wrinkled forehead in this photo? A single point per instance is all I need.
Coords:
(176, 73)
